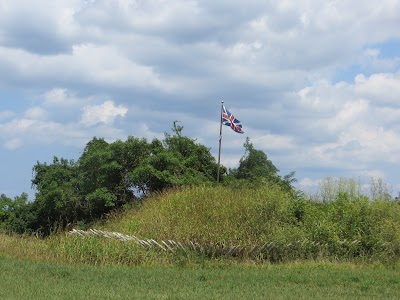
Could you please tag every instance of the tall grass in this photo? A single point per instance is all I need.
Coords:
(210, 214)
(62, 248)
(349, 226)
(262, 225)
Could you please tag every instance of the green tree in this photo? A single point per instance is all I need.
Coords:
(175, 161)
(97, 167)
(5, 209)
(255, 164)
(105, 171)
(159, 171)
(256, 168)
(196, 157)
(109, 175)
(58, 201)
(16, 215)
(128, 155)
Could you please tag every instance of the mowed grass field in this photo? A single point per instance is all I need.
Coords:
(25, 279)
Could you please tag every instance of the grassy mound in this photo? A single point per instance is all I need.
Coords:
(212, 214)
(263, 224)
(344, 228)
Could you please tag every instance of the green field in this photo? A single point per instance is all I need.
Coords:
(22, 279)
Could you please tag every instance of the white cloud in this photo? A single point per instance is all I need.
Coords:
(373, 174)
(275, 63)
(356, 125)
(308, 182)
(13, 144)
(47, 26)
(381, 88)
(24, 132)
(349, 112)
(104, 113)
(90, 64)
(373, 60)
(117, 43)
(37, 125)
(273, 141)
(59, 97)
(36, 113)
(16, 125)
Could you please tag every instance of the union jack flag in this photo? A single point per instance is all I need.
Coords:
(229, 120)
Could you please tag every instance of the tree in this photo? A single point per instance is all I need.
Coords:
(255, 164)
(23, 217)
(69, 192)
(105, 170)
(129, 155)
(5, 209)
(157, 172)
(107, 176)
(175, 161)
(255, 167)
(58, 200)
(196, 157)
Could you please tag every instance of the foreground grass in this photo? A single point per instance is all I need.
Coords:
(75, 268)
(23, 279)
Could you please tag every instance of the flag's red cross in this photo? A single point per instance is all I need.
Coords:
(231, 121)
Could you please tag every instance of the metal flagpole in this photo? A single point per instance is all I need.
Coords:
(220, 141)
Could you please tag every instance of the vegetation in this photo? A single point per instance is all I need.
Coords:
(166, 191)
(22, 279)
(266, 224)
(255, 169)
(108, 176)
(342, 229)
(252, 236)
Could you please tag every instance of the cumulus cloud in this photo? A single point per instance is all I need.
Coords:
(104, 113)
(13, 144)
(39, 126)
(36, 113)
(355, 122)
(274, 141)
(30, 129)
(47, 26)
(308, 182)
(117, 43)
(311, 81)
(20, 133)
(60, 98)
(381, 88)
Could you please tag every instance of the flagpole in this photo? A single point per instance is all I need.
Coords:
(220, 140)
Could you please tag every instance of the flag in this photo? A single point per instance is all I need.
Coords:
(229, 120)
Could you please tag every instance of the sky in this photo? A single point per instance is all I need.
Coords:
(316, 84)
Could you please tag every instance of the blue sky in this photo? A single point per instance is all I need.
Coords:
(316, 84)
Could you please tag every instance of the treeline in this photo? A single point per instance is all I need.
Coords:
(108, 176)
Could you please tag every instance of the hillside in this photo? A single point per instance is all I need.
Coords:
(343, 228)
(195, 224)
